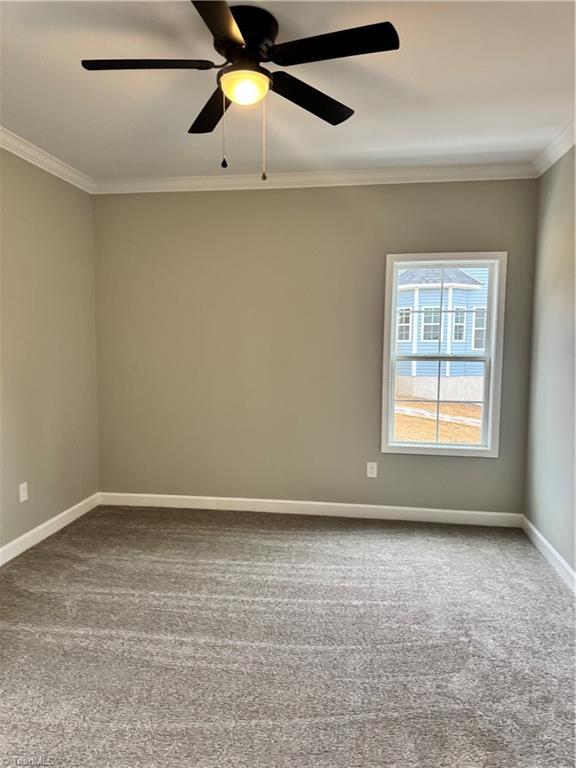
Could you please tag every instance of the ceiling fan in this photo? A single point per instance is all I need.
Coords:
(244, 35)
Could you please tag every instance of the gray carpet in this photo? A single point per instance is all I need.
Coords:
(226, 640)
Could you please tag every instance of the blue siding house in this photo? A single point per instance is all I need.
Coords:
(441, 311)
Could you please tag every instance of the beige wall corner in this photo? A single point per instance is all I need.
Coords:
(49, 433)
(551, 469)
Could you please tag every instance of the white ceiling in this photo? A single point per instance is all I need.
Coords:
(486, 82)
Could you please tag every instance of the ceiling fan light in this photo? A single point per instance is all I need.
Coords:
(244, 86)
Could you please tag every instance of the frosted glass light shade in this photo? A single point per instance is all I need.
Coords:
(244, 86)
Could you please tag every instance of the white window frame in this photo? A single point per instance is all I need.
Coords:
(491, 357)
(423, 309)
(461, 325)
(475, 312)
(403, 325)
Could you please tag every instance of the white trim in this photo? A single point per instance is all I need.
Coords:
(463, 286)
(556, 149)
(416, 174)
(564, 570)
(283, 506)
(322, 508)
(42, 531)
(442, 449)
(391, 175)
(33, 154)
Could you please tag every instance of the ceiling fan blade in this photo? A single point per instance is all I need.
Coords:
(211, 113)
(309, 98)
(105, 64)
(373, 38)
(218, 17)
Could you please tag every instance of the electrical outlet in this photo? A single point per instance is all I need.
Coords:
(371, 469)
(23, 491)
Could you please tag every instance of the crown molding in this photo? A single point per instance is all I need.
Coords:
(556, 149)
(306, 179)
(33, 154)
(398, 175)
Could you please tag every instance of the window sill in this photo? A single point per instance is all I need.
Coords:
(475, 451)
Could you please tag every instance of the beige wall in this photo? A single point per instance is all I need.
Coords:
(240, 340)
(550, 496)
(48, 363)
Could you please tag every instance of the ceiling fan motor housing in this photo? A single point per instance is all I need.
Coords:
(259, 29)
(245, 36)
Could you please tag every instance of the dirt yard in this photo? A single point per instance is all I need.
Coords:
(416, 428)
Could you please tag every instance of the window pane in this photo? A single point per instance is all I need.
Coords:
(416, 380)
(417, 287)
(461, 380)
(458, 332)
(479, 329)
(430, 324)
(460, 423)
(414, 422)
(459, 324)
(404, 324)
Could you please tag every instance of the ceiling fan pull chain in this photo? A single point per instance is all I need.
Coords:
(264, 176)
(224, 163)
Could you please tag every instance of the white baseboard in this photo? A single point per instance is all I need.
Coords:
(29, 539)
(564, 570)
(323, 508)
(327, 508)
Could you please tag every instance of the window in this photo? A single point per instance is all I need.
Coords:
(459, 324)
(404, 325)
(430, 324)
(479, 329)
(441, 393)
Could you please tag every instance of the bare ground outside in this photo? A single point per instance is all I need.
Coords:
(459, 423)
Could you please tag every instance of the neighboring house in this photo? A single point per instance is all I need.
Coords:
(455, 324)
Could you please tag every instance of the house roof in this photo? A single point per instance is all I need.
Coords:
(427, 276)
